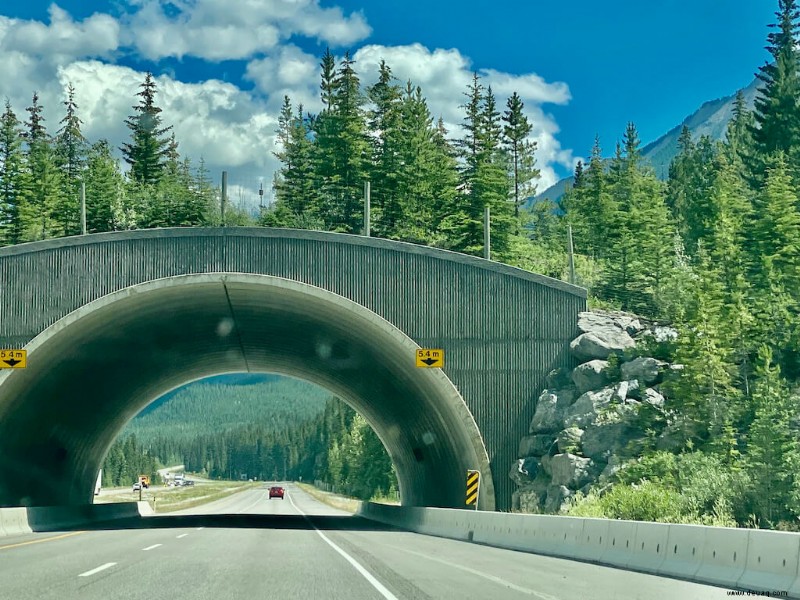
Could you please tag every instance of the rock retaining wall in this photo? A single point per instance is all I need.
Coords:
(588, 421)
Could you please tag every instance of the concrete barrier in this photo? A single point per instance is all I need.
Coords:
(21, 520)
(15, 521)
(724, 556)
(620, 543)
(593, 541)
(735, 558)
(772, 561)
(685, 544)
(649, 548)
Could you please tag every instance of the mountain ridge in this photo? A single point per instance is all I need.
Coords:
(710, 119)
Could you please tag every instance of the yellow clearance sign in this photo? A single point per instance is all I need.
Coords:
(13, 359)
(430, 358)
(473, 484)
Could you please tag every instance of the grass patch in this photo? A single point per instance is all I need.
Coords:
(350, 505)
(179, 498)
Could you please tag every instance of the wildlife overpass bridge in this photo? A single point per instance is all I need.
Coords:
(112, 321)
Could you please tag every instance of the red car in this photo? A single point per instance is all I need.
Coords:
(276, 491)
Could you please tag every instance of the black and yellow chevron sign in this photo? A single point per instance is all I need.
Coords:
(473, 483)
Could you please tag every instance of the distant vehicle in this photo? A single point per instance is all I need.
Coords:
(276, 492)
(137, 486)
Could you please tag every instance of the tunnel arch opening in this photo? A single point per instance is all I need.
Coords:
(250, 414)
(93, 370)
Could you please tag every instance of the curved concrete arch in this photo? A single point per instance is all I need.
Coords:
(95, 368)
(503, 329)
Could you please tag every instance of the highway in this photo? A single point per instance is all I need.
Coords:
(247, 546)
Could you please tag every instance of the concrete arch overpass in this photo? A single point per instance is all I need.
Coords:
(111, 321)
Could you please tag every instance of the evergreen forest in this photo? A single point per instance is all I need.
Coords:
(713, 251)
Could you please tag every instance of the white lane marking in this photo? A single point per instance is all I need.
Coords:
(151, 547)
(97, 570)
(183, 535)
(366, 574)
(493, 578)
(199, 528)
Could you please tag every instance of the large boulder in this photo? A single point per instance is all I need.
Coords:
(651, 396)
(591, 375)
(644, 369)
(536, 445)
(557, 499)
(587, 407)
(548, 417)
(558, 378)
(570, 470)
(602, 344)
(531, 497)
(604, 322)
(569, 440)
(600, 441)
(525, 470)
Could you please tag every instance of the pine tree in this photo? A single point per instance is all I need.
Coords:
(13, 181)
(70, 151)
(342, 151)
(148, 148)
(44, 181)
(691, 178)
(772, 446)
(521, 150)
(774, 231)
(777, 115)
(484, 178)
(385, 130)
(104, 189)
(296, 198)
(638, 253)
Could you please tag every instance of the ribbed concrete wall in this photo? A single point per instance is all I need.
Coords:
(503, 329)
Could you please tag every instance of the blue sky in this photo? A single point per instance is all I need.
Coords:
(582, 68)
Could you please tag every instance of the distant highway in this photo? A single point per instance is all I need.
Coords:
(247, 546)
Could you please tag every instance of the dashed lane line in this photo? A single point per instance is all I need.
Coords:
(97, 570)
(183, 535)
(151, 547)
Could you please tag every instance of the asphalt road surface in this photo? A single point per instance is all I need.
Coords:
(248, 546)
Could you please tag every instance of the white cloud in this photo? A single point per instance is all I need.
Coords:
(97, 35)
(212, 119)
(287, 72)
(235, 30)
(230, 127)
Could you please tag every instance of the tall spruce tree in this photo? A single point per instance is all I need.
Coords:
(521, 151)
(104, 189)
(777, 113)
(147, 151)
(385, 121)
(44, 181)
(13, 175)
(70, 151)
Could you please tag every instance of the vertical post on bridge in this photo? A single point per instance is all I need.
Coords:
(83, 208)
(366, 209)
(224, 197)
(571, 256)
(487, 235)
